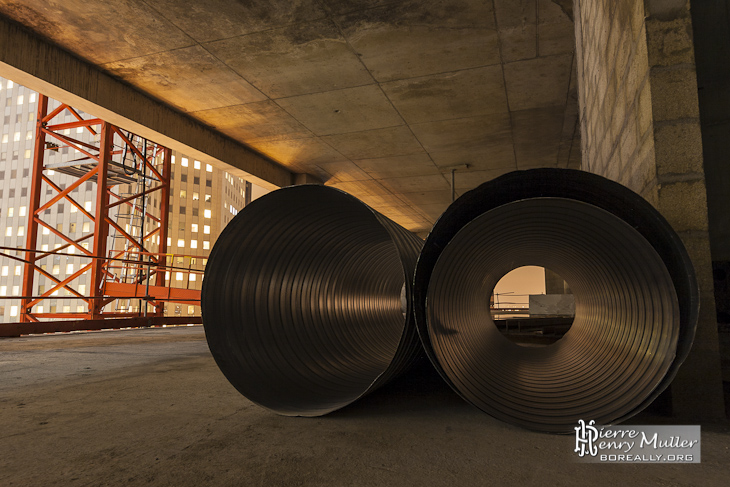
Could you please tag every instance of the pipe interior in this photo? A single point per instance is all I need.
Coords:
(624, 334)
(302, 300)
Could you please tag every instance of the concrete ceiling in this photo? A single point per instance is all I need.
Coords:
(375, 97)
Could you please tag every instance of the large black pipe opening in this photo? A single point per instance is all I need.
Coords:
(634, 286)
(306, 300)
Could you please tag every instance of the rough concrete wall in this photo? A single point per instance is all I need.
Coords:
(640, 126)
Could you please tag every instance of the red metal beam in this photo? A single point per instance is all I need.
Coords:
(101, 229)
(159, 293)
(18, 329)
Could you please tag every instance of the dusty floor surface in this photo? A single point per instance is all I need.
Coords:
(149, 407)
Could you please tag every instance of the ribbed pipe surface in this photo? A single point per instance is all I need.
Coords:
(306, 300)
(634, 287)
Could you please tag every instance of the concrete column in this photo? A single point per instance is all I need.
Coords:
(641, 127)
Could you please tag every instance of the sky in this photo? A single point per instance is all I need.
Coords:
(523, 280)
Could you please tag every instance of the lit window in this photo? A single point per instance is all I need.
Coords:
(74, 209)
(17, 270)
(206, 213)
(69, 268)
(196, 164)
(86, 227)
(194, 227)
(9, 85)
(54, 293)
(206, 244)
(167, 275)
(184, 162)
(5, 138)
(16, 290)
(9, 232)
(169, 241)
(21, 99)
(79, 130)
(22, 211)
(21, 231)
(206, 229)
(87, 205)
(67, 132)
(67, 309)
(209, 168)
(191, 309)
(4, 290)
(5, 271)
(82, 288)
(27, 154)
(80, 308)
(208, 197)
(44, 247)
(56, 270)
(181, 243)
(11, 212)
(193, 276)
(40, 309)
(32, 98)
(172, 159)
(28, 135)
(178, 276)
(16, 136)
(183, 194)
(46, 231)
(193, 244)
(51, 172)
(72, 250)
(13, 311)
(196, 196)
(85, 245)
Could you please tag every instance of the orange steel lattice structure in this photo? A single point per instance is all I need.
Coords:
(131, 270)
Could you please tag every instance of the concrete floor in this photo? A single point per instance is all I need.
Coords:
(149, 407)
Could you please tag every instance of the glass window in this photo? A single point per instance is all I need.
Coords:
(206, 213)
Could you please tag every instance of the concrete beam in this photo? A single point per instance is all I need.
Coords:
(32, 62)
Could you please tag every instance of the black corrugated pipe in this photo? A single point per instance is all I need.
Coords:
(636, 298)
(306, 300)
